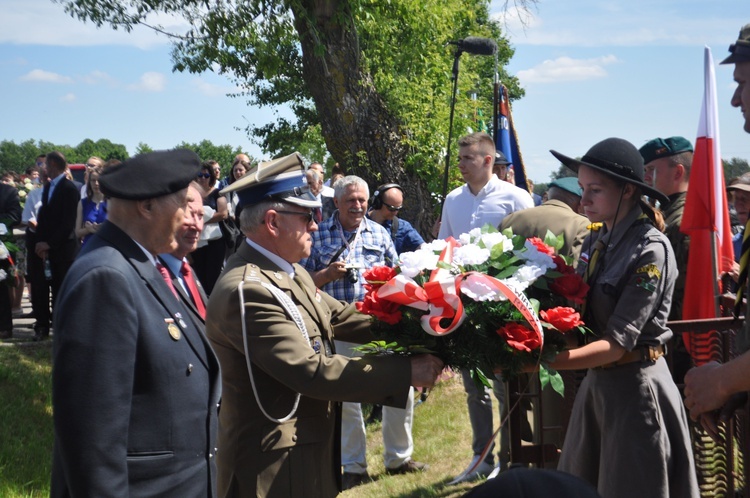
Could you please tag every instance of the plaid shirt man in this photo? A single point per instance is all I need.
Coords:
(373, 247)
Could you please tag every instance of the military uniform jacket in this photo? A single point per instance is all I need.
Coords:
(135, 384)
(555, 216)
(680, 245)
(299, 457)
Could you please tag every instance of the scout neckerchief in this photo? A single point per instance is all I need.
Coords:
(744, 260)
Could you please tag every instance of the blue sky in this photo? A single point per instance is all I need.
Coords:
(591, 69)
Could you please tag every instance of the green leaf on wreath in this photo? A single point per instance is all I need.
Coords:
(552, 377)
(479, 378)
(552, 240)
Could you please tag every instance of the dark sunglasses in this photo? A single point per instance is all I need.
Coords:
(308, 216)
(204, 175)
(394, 209)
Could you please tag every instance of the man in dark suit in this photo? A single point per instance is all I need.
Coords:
(279, 426)
(10, 216)
(56, 241)
(184, 281)
(135, 384)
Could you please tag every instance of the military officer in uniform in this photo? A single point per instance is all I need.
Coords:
(135, 384)
(559, 214)
(273, 332)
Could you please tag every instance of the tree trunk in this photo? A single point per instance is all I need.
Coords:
(360, 131)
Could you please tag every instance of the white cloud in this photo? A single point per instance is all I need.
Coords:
(595, 23)
(97, 77)
(150, 82)
(567, 69)
(211, 89)
(40, 75)
(43, 22)
(68, 97)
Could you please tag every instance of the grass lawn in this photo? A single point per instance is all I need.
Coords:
(442, 435)
(26, 415)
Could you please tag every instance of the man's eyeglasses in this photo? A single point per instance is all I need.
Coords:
(308, 216)
(394, 209)
(204, 175)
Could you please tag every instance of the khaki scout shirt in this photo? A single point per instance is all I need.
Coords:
(632, 285)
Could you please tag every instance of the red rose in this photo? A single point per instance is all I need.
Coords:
(385, 311)
(561, 266)
(541, 246)
(519, 337)
(378, 275)
(562, 318)
(570, 286)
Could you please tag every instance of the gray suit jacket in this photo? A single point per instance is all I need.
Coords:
(135, 385)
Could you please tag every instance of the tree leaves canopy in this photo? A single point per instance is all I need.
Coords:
(374, 76)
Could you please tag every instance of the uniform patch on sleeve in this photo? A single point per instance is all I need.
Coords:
(648, 277)
(651, 270)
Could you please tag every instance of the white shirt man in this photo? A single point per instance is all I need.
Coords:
(483, 199)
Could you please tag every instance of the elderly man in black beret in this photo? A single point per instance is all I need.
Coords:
(135, 383)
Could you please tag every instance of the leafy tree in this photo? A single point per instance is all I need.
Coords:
(142, 148)
(375, 76)
(223, 154)
(734, 167)
(17, 157)
(562, 172)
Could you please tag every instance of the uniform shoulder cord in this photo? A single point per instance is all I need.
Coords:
(293, 312)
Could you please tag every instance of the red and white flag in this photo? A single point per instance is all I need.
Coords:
(706, 217)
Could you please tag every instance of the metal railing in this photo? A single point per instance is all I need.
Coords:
(720, 466)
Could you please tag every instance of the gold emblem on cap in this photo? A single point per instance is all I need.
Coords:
(174, 331)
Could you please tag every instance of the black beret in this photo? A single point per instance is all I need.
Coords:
(150, 175)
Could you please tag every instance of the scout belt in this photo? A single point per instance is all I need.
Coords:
(639, 354)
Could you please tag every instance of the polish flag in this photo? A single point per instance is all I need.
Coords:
(706, 217)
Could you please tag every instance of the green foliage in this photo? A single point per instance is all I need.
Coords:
(734, 167)
(206, 150)
(26, 409)
(18, 157)
(257, 44)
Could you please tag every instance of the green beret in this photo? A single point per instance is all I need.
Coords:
(740, 50)
(569, 184)
(664, 147)
(150, 175)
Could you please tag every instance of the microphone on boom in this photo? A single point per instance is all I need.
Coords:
(476, 46)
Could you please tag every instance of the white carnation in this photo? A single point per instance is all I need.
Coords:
(3, 251)
(3, 275)
(480, 291)
(470, 255)
(436, 245)
(413, 263)
(490, 240)
(534, 256)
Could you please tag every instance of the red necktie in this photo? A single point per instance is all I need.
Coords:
(187, 274)
(167, 279)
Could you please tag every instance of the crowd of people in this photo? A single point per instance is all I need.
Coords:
(215, 355)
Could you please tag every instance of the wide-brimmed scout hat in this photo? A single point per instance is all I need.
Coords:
(618, 159)
(740, 50)
(150, 175)
(282, 179)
